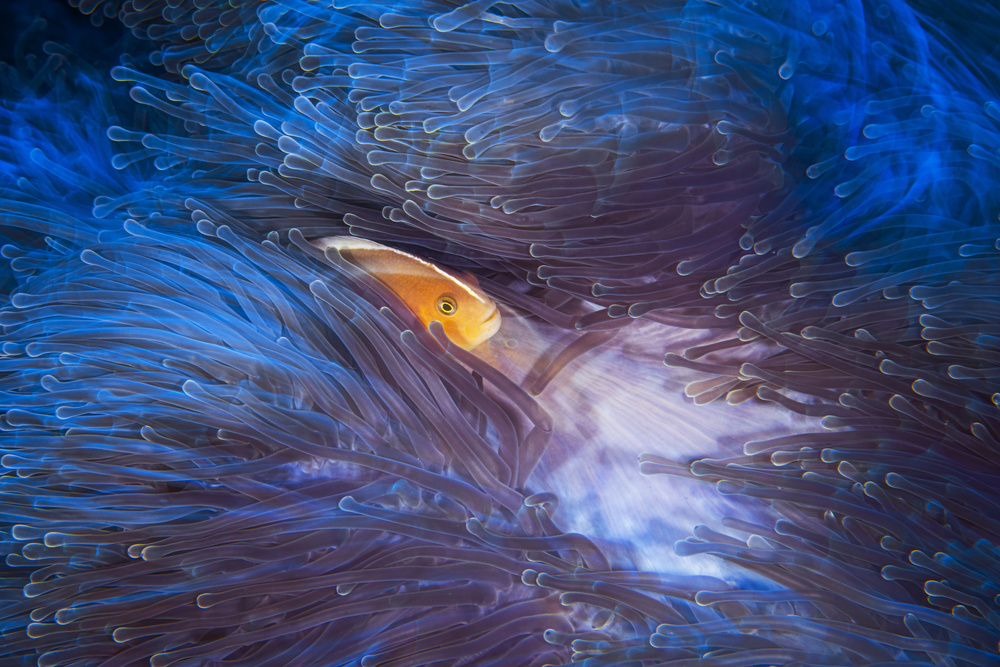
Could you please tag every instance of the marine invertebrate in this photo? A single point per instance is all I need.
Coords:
(222, 445)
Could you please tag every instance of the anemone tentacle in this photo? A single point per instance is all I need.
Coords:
(757, 240)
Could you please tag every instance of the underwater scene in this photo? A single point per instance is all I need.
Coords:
(550, 332)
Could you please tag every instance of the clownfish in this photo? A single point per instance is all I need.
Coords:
(468, 315)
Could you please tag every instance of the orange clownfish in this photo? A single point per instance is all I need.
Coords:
(468, 315)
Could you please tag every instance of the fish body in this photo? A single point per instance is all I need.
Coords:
(469, 316)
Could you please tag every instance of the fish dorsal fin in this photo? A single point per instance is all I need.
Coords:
(461, 280)
(471, 279)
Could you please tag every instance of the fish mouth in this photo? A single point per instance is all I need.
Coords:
(486, 328)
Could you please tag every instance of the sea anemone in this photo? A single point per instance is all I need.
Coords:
(740, 411)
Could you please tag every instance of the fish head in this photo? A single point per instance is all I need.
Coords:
(469, 317)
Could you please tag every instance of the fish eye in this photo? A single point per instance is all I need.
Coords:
(447, 306)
